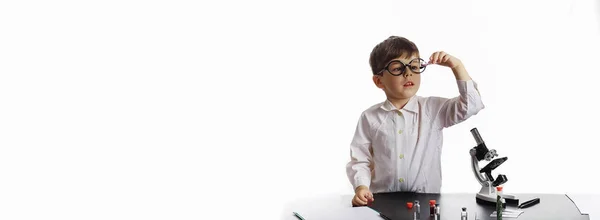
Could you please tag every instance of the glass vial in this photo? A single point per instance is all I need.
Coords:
(463, 214)
(431, 208)
(417, 211)
(499, 208)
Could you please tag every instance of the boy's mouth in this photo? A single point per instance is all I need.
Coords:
(409, 84)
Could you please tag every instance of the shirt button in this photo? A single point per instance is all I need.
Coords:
(400, 131)
(400, 113)
(401, 180)
(401, 156)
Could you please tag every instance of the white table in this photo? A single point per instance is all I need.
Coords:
(587, 203)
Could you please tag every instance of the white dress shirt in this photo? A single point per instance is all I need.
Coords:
(400, 149)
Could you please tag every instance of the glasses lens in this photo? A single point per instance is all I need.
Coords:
(417, 65)
(396, 68)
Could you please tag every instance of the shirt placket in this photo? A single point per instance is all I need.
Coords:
(400, 140)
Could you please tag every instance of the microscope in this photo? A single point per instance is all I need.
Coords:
(487, 194)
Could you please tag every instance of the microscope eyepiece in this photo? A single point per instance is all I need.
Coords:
(482, 151)
(476, 135)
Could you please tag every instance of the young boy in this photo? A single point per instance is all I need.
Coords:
(398, 143)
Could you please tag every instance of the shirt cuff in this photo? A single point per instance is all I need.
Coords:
(465, 86)
(362, 181)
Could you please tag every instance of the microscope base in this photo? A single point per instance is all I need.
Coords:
(487, 196)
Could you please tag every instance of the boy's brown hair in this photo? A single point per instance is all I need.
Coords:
(390, 49)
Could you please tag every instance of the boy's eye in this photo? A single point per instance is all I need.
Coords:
(417, 67)
(396, 67)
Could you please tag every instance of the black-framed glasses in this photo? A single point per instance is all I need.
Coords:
(397, 67)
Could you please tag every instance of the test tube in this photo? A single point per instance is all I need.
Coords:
(431, 208)
(417, 211)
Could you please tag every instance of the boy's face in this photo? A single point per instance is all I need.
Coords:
(399, 87)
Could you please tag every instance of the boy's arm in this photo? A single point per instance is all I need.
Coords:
(460, 73)
(358, 169)
(458, 109)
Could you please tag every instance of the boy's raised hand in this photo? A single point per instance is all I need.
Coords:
(362, 196)
(444, 59)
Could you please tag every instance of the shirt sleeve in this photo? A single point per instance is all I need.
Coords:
(458, 109)
(358, 169)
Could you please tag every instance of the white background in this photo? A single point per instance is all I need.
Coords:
(183, 110)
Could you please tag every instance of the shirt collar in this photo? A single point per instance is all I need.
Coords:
(411, 105)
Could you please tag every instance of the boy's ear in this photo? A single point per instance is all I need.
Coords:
(377, 81)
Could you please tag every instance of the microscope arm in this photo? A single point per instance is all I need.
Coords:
(475, 165)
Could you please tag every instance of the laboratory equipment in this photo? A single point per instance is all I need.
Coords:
(487, 194)
(431, 208)
(529, 203)
(417, 211)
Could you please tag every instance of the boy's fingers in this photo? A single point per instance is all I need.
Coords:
(444, 58)
(371, 198)
(440, 57)
(434, 57)
(358, 201)
(363, 196)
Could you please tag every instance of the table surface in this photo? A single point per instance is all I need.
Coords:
(551, 206)
(587, 204)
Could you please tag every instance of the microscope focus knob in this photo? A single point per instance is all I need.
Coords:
(490, 155)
